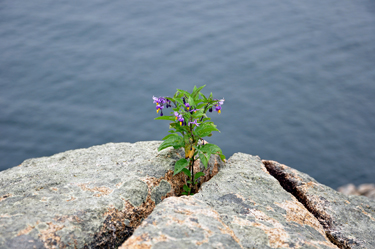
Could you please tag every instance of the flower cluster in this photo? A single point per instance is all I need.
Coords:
(160, 104)
(218, 105)
(180, 118)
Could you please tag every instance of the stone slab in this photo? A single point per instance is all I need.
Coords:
(87, 198)
(349, 221)
(243, 206)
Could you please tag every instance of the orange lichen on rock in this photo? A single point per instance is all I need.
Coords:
(296, 212)
(49, 236)
(26, 230)
(70, 218)
(133, 242)
(102, 190)
(71, 199)
(365, 213)
(277, 235)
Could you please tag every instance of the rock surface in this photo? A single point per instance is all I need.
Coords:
(97, 197)
(349, 221)
(87, 198)
(366, 189)
(241, 207)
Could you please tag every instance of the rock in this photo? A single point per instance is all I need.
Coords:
(87, 198)
(367, 190)
(348, 189)
(349, 221)
(243, 206)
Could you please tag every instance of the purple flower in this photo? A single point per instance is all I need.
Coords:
(218, 105)
(181, 119)
(159, 108)
(218, 109)
(221, 101)
(195, 122)
(159, 101)
(187, 106)
(194, 110)
(176, 114)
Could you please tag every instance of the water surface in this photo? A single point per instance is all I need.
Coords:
(298, 77)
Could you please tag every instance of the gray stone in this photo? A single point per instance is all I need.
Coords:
(243, 206)
(161, 190)
(348, 189)
(86, 198)
(349, 221)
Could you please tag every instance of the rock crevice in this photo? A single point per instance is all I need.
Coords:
(348, 221)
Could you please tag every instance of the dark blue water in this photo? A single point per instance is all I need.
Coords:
(298, 77)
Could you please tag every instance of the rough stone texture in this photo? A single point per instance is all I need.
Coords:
(241, 207)
(366, 189)
(349, 221)
(182, 222)
(86, 198)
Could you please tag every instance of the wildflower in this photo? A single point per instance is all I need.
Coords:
(218, 109)
(180, 118)
(159, 101)
(194, 110)
(187, 106)
(221, 101)
(218, 105)
(159, 108)
(195, 122)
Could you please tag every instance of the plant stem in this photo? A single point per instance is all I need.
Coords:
(205, 110)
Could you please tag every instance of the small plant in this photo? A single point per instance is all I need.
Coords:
(190, 120)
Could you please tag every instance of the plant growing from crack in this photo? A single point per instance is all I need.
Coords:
(190, 120)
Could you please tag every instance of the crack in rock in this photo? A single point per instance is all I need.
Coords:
(348, 221)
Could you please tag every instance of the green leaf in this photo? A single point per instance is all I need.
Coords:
(191, 102)
(198, 115)
(188, 181)
(197, 175)
(204, 159)
(186, 171)
(201, 105)
(170, 135)
(205, 129)
(184, 193)
(177, 127)
(169, 98)
(186, 188)
(175, 141)
(204, 97)
(197, 90)
(172, 118)
(177, 95)
(222, 157)
(180, 165)
(211, 148)
(184, 92)
(180, 101)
